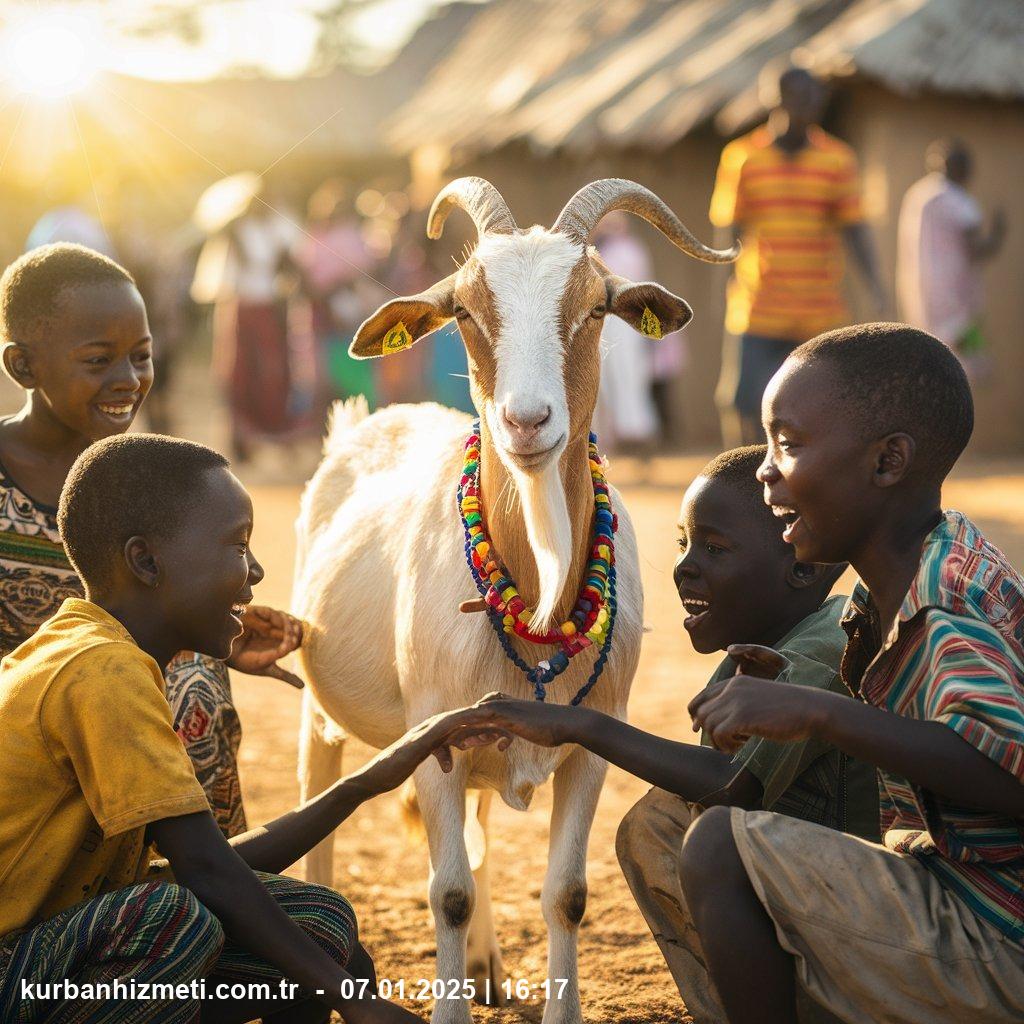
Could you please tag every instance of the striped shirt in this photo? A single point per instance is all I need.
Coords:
(954, 655)
(790, 208)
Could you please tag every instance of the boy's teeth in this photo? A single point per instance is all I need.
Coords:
(116, 410)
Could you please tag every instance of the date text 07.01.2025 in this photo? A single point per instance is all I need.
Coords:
(423, 989)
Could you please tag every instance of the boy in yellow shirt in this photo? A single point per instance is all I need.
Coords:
(92, 773)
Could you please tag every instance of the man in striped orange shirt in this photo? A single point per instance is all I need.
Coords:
(790, 191)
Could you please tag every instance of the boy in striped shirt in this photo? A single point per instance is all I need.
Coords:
(863, 425)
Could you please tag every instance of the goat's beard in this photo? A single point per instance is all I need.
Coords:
(549, 530)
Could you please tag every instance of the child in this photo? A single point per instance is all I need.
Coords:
(91, 772)
(863, 425)
(740, 585)
(74, 335)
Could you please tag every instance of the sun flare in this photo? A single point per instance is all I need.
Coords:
(50, 56)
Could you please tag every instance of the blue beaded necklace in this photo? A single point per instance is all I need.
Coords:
(594, 615)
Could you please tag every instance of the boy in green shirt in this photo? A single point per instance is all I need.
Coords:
(740, 586)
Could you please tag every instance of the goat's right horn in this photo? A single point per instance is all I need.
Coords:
(581, 214)
(480, 199)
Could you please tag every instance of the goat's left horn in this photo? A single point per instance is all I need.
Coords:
(581, 214)
(480, 199)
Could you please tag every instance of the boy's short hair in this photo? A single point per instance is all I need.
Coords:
(31, 285)
(737, 468)
(896, 379)
(124, 486)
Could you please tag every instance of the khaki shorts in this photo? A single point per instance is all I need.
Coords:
(875, 935)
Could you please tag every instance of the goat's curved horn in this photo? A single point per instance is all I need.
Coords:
(580, 215)
(480, 199)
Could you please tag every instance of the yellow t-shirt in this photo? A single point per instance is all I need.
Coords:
(791, 208)
(88, 758)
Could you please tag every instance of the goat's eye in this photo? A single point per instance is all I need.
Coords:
(460, 312)
(599, 311)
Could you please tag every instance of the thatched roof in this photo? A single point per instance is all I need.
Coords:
(571, 74)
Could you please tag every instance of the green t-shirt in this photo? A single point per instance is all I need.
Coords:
(810, 779)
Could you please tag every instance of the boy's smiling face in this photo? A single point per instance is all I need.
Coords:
(820, 475)
(732, 575)
(207, 570)
(91, 360)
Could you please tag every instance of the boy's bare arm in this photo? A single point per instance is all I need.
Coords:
(696, 773)
(929, 754)
(204, 863)
(280, 843)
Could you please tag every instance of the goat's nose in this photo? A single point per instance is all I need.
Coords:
(525, 422)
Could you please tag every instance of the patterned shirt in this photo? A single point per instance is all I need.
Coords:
(791, 208)
(36, 578)
(954, 655)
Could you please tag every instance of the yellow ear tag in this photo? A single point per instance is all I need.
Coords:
(650, 325)
(395, 340)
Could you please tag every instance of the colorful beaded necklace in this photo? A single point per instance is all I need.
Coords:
(593, 616)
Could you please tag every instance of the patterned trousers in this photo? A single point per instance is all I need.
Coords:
(154, 934)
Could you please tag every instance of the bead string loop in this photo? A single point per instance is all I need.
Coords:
(593, 617)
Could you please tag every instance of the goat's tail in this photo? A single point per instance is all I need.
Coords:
(342, 417)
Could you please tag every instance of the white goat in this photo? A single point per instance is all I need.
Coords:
(381, 567)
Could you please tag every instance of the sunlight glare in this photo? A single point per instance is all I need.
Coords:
(51, 59)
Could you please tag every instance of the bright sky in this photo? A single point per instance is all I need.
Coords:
(276, 36)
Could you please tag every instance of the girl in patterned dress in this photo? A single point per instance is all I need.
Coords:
(75, 336)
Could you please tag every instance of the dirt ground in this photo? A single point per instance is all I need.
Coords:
(622, 976)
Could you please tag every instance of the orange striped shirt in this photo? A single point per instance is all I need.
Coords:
(791, 208)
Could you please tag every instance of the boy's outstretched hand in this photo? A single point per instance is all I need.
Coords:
(474, 726)
(268, 635)
(534, 721)
(732, 710)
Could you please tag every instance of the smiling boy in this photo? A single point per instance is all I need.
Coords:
(92, 773)
(745, 593)
(864, 424)
(75, 337)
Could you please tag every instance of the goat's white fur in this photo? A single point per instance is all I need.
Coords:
(527, 275)
(379, 576)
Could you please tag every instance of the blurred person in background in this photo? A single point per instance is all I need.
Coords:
(790, 192)
(942, 243)
(67, 219)
(335, 261)
(626, 416)
(160, 259)
(242, 270)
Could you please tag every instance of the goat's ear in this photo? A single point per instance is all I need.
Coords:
(647, 307)
(400, 323)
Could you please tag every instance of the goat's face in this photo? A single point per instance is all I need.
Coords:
(530, 305)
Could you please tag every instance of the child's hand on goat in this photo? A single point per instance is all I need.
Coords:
(267, 636)
(543, 724)
(465, 728)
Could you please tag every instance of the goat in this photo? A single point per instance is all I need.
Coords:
(381, 567)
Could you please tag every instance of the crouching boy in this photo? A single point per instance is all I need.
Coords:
(863, 426)
(744, 592)
(92, 776)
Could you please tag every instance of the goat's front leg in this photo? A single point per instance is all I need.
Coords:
(578, 782)
(442, 800)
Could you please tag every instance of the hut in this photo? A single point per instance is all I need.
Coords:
(541, 96)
